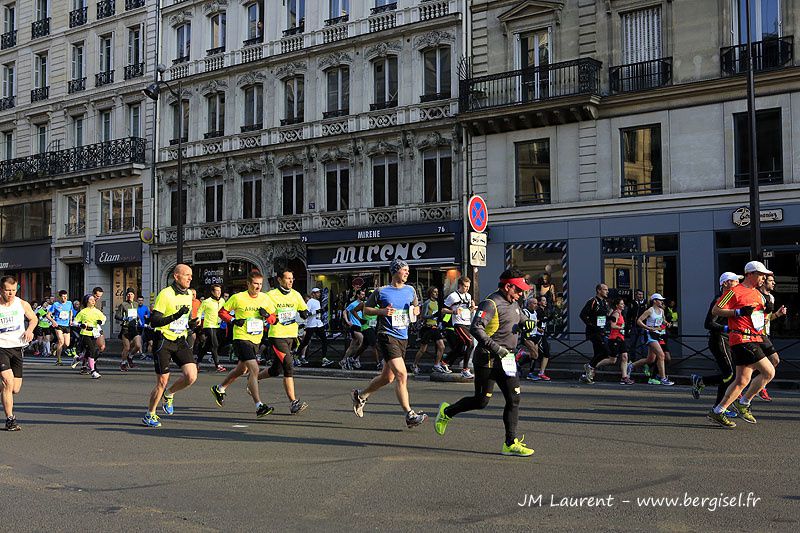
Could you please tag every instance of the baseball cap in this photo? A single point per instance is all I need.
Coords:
(756, 266)
(518, 283)
(657, 296)
(315, 289)
(729, 276)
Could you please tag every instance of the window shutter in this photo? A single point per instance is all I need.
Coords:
(641, 35)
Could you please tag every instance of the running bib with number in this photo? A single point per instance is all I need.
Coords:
(758, 320)
(63, 315)
(286, 316)
(372, 321)
(400, 319)
(96, 332)
(180, 325)
(601, 321)
(255, 326)
(509, 365)
(132, 314)
(464, 313)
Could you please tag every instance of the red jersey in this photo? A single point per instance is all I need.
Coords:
(744, 328)
(618, 334)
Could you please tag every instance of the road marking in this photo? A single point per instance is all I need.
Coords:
(239, 426)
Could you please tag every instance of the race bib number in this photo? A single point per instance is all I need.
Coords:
(132, 314)
(254, 326)
(464, 313)
(286, 316)
(180, 325)
(400, 319)
(601, 321)
(758, 320)
(96, 332)
(509, 365)
(9, 329)
(372, 321)
(657, 321)
(63, 315)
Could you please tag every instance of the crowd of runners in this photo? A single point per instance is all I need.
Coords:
(503, 336)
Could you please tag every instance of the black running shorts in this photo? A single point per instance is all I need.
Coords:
(282, 359)
(11, 359)
(389, 347)
(747, 353)
(167, 350)
(245, 350)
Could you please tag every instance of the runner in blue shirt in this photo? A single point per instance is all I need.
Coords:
(62, 313)
(353, 317)
(144, 329)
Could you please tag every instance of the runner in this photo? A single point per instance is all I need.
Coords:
(430, 332)
(44, 329)
(771, 314)
(128, 316)
(14, 336)
(285, 304)
(369, 329)
(170, 319)
(495, 326)
(394, 304)
(653, 321)
(461, 307)
(616, 342)
(314, 326)
(62, 313)
(90, 320)
(744, 306)
(595, 315)
(144, 329)
(353, 319)
(209, 310)
(247, 312)
(545, 315)
(97, 292)
(636, 336)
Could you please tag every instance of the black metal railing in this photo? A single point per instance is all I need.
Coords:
(7, 102)
(40, 28)
(103, 78)
(336, 113)
(93, 156)
(252, 127)
(74, 228)
(77, 85)
(531, 84)
(120, 225)
(337, 20)
(215, 51)
(42, 93)
(765, 177)
(383, 105)
(213, 134)
(253, 40)
(295, 30)
(134, 71)
(173, 142)
(289, 121)
(106, 8)
(8, 39)
(641, 188)
(533, 199)
(640, 76)
(383, 9)
(78, 17)
(179, 60)
(133, 4)
(769, 54)
(444, 95)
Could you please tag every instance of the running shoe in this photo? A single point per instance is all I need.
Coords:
(626, 381)
(344, 364)
(585, 379)
(151, 421)
(263, 410)
(123, 367)
(730, 413)
(297, 407)
(304, 361)
(441, 419)
(325, 362)
(647, 371)
(355, 363)
(589, 371)
(697, 386)
(629, 369)
(438, 369)
(59, 363)
(666, 381)
(533, 377)
(543, 377)
(75, 362)
(414, 419)
(221, 369)
(95, 375)
(466, 374)
(517, 448)
(764, 395)
(446, 368)
(84, 370)
(167, 404)
(744, 412)
(130, 362)
(296, 362)
(416, 370)
(219, 397)
(721, 419)
(11, 424)
(654, 381)
(358, 403)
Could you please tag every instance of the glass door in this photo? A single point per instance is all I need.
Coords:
(534, 59)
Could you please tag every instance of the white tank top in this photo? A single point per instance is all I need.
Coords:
(12, 325)
(656, 318)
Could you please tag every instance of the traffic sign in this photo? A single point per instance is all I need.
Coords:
(477, 256)
(478, 213)
(477, 239)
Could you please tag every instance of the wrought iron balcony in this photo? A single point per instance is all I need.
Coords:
(78, 17)
(74, 229)
(74, 86)
(6, 102)
(770, 54)
(337, 20)
(134, 71)
(103, 78)
(336, 113)
(182, 140)
(252, 127)
(258, 39)
(42, 93)
(213, 134)
(133, 4)
(295, 30)
(641, 188)
(40, 28)
(181, 59)
(215, 51)
(383, 9)
(93, 156)
(106, 8)
(383, 105)
(765, 177)
(121, 225)
(433, 97)
(8, 39)
(640, 76)
(289, 121)
(533, 198)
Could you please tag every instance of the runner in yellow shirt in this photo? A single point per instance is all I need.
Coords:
(246, 312)
(90, 318)
(209, 310)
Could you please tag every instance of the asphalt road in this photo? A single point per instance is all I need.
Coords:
(83, 461)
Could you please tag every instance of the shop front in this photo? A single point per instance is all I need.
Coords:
(215, 267)
(30, 264)
(122, 261)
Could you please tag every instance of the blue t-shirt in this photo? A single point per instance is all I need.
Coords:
(62, 312)
(355, 318)
(401, 299)
(144, 313)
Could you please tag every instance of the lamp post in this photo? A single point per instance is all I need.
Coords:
(755, 209)
(152, 91)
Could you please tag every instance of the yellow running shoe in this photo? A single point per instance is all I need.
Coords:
(442, 419)
(518, 448)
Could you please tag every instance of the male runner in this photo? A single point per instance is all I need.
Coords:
(496, 327)
(144, 328)
(743, 305)
(170, 319)
(430, 332)
(97, 292)
(394, 304)
(595, 315)
(460, 304)
(246, 312)
(127, 315)
(771, 314)
(209, 310)
(62, 312)
(44, 328)
(314, 326)
(636, 336)
(353, 318)
(14, 336)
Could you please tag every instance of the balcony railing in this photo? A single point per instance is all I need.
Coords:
(433, 97)
(134, 71)
(336, 113)
(74, 229)
(383, 9)
(42, 93)
(213, 134)
(765, 177)
(640, 76)
(181, 59)
(252, 127)
(295, 30)
(337, 20)
(121, 225)
(377, 106)
(103, 78)
(74, 86)
(133, 4)
(769, 54)
(8, 39)
(93, 156)
(7, 102)
(258, 39)
(40, 28)
(533, 198)
(289, 121)
(106, 8)
(641, 188)
(175, 141)
(215, 51)
(78, 17)
(530, 85)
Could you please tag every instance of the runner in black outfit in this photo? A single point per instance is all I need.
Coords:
(595, 315)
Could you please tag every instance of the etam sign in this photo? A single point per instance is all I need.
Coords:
(118, 253)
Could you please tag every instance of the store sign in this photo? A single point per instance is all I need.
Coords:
(397, 232)
(212, 275)
(741, 217)
(25, 257)
(118, 253)
(381, 254)
(209, 256)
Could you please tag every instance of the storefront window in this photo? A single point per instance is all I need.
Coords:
(25, 221)
(545, 264)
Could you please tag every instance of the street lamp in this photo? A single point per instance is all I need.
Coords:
(152, 91)
(755, 209)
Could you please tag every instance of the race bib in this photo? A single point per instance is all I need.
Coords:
(96, 332)
(372, 321)
(400, 319)
(63, 315)
(286, 316)
(758, 320)
(657, 321)
(464, 313)
(9, 329)
(180, 325)
(254, 326)
(601, 321)
(509, 365)
(132, 314)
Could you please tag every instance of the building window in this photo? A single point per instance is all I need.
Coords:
(40, 71)
(339, 8)
(180, 121)
(255, 21)
(134, 120)
(296, 13)
(20, 222)
(338, 92)
(254, 107)
(641, 161)
(9, 79)
(765, 20)
(337, 185)
(385, 72)
(438, 175)
(183, 40)
(41, 138)
(8, 145)
(641, 35)
(106, 53)
(295, 97)
(293, 191)
(77, 130)
(251, 198)
(121, 209)
(105, 127)
(533, 172)
(437, 73)
(42, 9)
(218, 31)
(9, 18)
(769, 162)
(78, 66)
(135, 55)
(384, 181)
(216, 115)
(76, 214)
(214, 200)
(173, 206)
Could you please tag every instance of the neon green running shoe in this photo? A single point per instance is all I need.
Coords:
(518, 448)
(442, 419)
(744, 412)
(721, 419)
